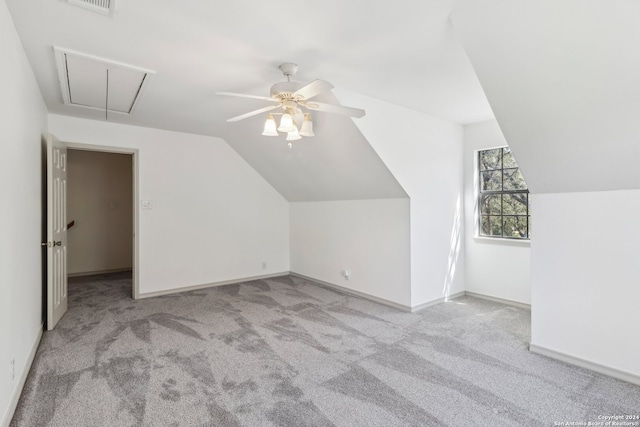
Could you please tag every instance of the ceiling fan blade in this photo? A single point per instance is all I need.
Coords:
(253, 113)
(242, 95)
(312, 89)
(335, 109)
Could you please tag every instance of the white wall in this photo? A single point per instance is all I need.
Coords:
(424, 154)
(23, 122)
(585, 254)
(100, 201)
(368, 237)
(495, 267)
(213, 218)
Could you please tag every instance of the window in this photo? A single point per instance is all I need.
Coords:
(503, 196)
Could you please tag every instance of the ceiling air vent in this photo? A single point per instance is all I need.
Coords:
(101, 84)
(105, 7)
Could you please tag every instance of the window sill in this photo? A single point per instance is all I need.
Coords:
(499, 240)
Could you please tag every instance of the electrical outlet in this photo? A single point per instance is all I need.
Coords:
(264, 265)
(347, 274)
(12, 369)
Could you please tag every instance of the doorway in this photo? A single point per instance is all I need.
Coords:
(102, 218)
(99, 213)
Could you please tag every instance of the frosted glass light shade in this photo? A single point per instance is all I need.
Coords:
(307, 126)
(286, 123)
(294, 135)
(270, 127)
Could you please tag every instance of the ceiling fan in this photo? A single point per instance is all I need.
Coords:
(292, 97)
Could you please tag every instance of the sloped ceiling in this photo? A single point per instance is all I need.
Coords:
(405, 53)
(339, 165)
(562, 78)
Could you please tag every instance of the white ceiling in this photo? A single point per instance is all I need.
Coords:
(405, 53)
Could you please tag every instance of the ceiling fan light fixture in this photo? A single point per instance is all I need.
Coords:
(307, 126)
(286, 123)
(270, 127)
(291, 97)
(293, 135)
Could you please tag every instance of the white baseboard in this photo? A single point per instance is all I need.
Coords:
(378, 299)
(500, 300)
(208, 285)
(427, 304)
(456, 295)
(440, 300)
(370, 297)
(93, 273)
(587, 364)
(13, 404)
(353, 292)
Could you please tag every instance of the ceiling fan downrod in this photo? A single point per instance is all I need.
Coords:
(289, 69)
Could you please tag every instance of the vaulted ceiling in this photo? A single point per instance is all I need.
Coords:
(562, 78)
(405, 53)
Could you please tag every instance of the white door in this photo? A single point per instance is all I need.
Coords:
(56, 231)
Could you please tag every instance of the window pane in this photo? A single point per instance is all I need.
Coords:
(504, 207)
(491, 181)
(514, 204)
(513, 180)
(495, 226)
(510, 226)
(490, 204)
(484, 228)
(491, 226)
(491, 159)
(515, 226)
(522, 226)
(507, 159)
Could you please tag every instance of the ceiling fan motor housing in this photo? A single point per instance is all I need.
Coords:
(285, 90)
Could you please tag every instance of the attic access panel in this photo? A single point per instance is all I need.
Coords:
(98, 83)
(104, 7)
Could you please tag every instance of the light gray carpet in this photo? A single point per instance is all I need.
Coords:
(288, 352)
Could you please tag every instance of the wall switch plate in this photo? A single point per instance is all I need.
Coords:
(146, 204)
(347, 274)
(264, 265)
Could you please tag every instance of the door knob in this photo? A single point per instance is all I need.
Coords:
(49, 244)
